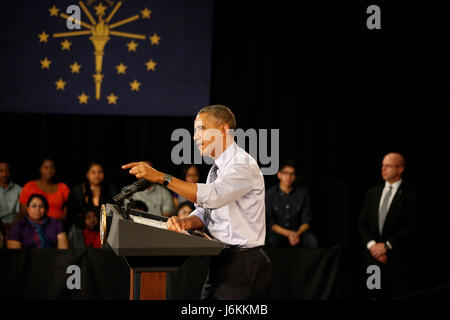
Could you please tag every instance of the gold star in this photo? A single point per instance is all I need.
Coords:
(151, 65)
(75, 67)
(53, 11)
(154, 39)
(135, 85)
(100, 9)
(45, 64)
(146, 13)
(83, 98)
(60, 84)
(132, 46)
(98, 77)
(112, 99)
(66, 44)
(121, 68)
(43, 37)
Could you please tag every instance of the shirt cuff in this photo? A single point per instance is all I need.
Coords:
(200, 213)
(389, 245)
(370, 244)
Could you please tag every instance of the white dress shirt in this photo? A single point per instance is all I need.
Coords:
(236, 199)
(395, 187)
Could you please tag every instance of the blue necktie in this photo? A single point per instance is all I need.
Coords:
(212, 178)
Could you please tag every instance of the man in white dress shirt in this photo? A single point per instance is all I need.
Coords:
(230, 206)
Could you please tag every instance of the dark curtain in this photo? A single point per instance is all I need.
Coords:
(342, 96)
(337, 273)
(42, 274)
(298, 274)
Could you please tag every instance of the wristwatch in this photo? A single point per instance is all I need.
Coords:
(167, 179)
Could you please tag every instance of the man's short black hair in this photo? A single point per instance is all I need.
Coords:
(288, 163)
(220, 113)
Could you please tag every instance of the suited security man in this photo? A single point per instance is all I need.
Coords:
(387, 226)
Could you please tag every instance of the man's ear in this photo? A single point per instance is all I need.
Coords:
(224, 127)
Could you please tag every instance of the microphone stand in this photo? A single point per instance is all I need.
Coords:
(126, 208)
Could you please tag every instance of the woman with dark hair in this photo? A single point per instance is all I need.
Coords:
(36, 229)
(90, 194)
(55, 193)
(189, 173)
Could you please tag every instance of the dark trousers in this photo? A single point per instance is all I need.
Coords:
(307, 240)
(238, 274)
(397, 278)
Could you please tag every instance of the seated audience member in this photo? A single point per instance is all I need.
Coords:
(36, 229)
(55, 193)
(86, 232)
(93, 192)
(288, 210)
(157, 199)
(189, 173)
(184, 209)
(9, 196)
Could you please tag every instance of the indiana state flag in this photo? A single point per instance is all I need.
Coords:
(132, 57)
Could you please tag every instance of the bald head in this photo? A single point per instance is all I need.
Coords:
(396, 158)
(392, 167)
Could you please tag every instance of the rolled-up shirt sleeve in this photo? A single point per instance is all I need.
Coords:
(199, 212)
(227, 189)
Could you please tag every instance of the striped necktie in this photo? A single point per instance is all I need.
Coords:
(213, 173)
(212, 178)
(384, 208)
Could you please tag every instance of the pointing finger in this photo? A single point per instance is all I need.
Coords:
(130, 165)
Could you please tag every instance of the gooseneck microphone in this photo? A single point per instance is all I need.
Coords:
(128, 191)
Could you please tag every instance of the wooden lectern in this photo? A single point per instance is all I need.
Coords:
(149, 249)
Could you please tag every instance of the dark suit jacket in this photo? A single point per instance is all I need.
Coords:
(401, 220)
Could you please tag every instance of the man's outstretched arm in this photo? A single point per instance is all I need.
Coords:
(144, 170)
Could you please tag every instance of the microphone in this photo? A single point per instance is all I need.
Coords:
(128, 191)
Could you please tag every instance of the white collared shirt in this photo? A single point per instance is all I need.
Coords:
(236, 198)
(395, 187)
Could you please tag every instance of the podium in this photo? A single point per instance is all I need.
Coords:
(149, 249)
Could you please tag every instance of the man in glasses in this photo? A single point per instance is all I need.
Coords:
(387, 223)
(288, 210)
(9, 195)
